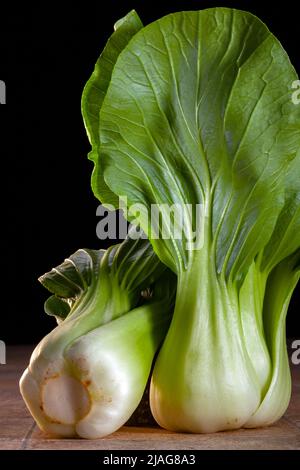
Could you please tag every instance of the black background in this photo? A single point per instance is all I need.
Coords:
(47, 53)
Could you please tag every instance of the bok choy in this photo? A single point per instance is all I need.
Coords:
(88, 375)
(198, 111)
(195, 112)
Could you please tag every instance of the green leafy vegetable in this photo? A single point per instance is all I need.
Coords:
(198, 111)
(96, 88)
(88, 375)
(193, 111)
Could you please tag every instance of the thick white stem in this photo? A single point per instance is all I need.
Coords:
(203, 379)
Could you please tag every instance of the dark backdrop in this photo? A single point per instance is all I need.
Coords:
(47, 53)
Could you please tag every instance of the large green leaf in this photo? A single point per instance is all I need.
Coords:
(199, 110)
(96, 88)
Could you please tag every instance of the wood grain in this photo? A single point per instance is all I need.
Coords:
(18, 431)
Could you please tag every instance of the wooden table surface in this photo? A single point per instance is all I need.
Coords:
(18, 430)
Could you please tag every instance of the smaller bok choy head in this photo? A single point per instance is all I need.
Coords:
(88, 375)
